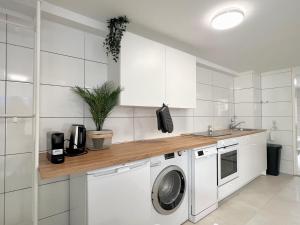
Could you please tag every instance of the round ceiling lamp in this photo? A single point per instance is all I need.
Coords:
(227, 19)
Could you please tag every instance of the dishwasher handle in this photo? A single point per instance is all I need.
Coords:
(118, 169)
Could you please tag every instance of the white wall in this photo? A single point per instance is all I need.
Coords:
(16, 145)
(214, 100)
(247, 96)
(72, 57)
(277, 108)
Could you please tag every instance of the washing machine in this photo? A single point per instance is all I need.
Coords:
(169, 185)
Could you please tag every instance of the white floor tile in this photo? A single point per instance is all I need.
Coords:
(267, 200)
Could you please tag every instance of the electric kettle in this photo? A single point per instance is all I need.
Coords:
(77, 140)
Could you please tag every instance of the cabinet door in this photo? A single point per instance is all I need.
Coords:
(180, 79)
(142, 71)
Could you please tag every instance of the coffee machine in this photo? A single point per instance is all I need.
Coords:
(55, 147)
(77, 140)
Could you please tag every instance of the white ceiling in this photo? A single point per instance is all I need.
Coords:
(268, 39)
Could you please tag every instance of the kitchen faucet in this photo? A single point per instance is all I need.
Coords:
(234, 124)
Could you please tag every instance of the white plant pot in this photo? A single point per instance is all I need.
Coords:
(97, 140)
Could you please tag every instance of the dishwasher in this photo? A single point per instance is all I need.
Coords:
(204, 187)
(116, 195)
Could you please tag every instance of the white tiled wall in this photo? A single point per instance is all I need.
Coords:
(75, 58)
(16, 142)
(247, 96)
(19, 64)
(215, 104)
(16, 97)
(277, 108)
(62, 40)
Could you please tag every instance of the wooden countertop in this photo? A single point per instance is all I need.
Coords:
(127, 152)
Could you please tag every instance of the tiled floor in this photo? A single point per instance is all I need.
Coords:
(267, 200)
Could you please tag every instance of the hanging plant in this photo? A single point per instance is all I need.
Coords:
(112, 43)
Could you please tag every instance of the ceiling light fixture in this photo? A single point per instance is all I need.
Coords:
(227, 19)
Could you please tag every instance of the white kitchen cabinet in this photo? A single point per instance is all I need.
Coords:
(253, 157)
(111, 195)
(180, 79)
(151, 74)
(252, 162)
(140, 71)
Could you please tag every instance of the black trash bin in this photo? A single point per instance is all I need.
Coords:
(273, 158)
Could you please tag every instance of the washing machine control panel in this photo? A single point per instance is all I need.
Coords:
(170, 156)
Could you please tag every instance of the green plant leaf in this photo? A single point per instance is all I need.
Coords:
(116, 26)
(101, 101)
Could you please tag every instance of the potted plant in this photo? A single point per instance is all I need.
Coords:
(101, 101)
(112, 43)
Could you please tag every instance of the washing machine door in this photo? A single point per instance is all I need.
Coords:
(168, 190)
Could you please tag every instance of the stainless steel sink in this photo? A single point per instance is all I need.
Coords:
(216, 133)
(244, 129)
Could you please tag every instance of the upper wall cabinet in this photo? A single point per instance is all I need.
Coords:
(142, 69)
(151, 74)
(180, 79)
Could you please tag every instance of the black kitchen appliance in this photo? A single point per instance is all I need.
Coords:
(55, 146)
(77, 140)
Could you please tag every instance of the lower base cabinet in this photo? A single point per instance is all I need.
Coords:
(252, 162)
(118, 195)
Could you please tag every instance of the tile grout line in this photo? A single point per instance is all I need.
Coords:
(56, 214)
(74, 57)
